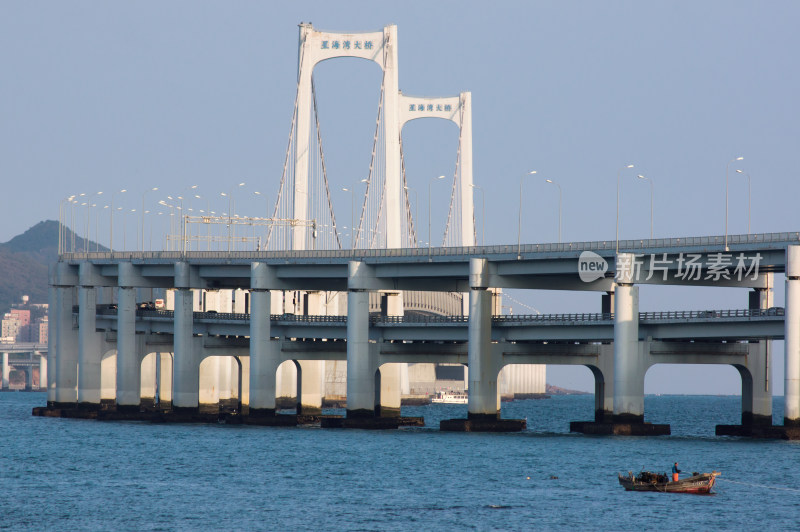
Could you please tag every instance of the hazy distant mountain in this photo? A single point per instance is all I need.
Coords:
(24, 261)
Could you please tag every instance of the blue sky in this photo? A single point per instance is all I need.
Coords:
(100, 96)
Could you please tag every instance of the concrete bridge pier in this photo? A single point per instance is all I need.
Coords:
(66, 361)
(630, 364)
(360, 366)
(89, 340)
(761, 418)
(186, 363)
(6, 372)
(164, 384)
(149, 380)
(264, 352)
(387, 403)
(363, 374)
(311, 373)
(89, 355)
(128, 363)
(756, 378)
(43, 382)
(628, 357)
(483, 409)
(603, 374)
(52, 334)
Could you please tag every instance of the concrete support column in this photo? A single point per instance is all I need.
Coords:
(66, 371)
(360, 366)
(791, 411)
(128, 363)
(165, 380)
(52, 336)
(264, 360)
(757, 391)
(6, 371)
(147, 392)
(484, 401)
(186, 367)
(311, 373)
(224, 380)
(208, 384)
(391, 374)
(628, 363)
(43, 372)
(29, 378)
(88, 348)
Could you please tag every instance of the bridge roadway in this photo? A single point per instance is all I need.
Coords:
(33, 350)
(737, 325)
(447, 269)
(748, 261)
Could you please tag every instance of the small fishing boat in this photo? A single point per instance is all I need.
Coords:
(698, 483)
(451, 398)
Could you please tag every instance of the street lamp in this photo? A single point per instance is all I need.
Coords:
(559, 206)
(111, 221)
(429, 211)
(183, 216)
(89, 206)
(749, 197)
(519, 218)
(619, 174)
(125, 227)
(640, 176)
(727, 168)
(266, 201)
(62, 219)
(483, 211)
(143, 194)
(230, 210)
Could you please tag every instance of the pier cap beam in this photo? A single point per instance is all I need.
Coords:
(130, 275)
(89, 275)
(65, 275)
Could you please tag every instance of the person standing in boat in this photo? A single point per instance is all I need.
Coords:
(675, 472)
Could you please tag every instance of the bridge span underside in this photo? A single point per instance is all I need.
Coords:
(112, 357)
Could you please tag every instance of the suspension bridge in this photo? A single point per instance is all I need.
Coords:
(301, 267)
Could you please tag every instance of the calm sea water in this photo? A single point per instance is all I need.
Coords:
(87, 475)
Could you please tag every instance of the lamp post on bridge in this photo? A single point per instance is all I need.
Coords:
(519, 217)
(62, 215)
(483, 212)
(183, 215)
(125, 226)
(431, 180)
(230, 210)
(749, 197)
(559, 206)
(142, 213)
(640, 176)
(111, 221)
(89, 206)
(619, 175)
(727, 169)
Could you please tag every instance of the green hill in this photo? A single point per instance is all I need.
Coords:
(24, 261)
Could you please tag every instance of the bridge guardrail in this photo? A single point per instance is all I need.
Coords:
(499, 319)
(505, 249)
